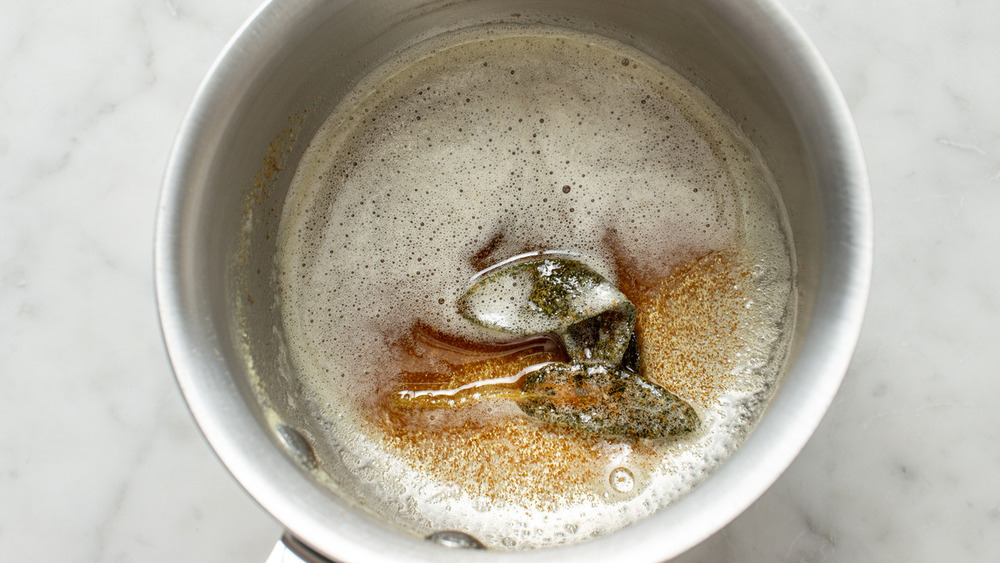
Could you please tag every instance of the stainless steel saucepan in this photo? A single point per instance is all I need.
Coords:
(271, 89)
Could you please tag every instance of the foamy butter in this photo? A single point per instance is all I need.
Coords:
(485, 144)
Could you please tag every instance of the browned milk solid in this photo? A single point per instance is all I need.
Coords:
(481, 145)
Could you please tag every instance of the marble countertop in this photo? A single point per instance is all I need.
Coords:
(100, 461)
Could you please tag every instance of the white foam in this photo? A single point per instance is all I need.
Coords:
(518, 140)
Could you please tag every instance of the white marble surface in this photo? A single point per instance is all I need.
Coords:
(100, 461)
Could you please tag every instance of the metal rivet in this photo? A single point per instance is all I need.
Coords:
(451, 538)
(297, 445)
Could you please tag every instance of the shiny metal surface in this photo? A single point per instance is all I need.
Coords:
(289, 550)
(270, 90)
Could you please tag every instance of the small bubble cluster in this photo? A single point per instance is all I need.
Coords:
(480, 146)
(621, 480)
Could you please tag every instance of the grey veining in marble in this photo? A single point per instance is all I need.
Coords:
(99, 460)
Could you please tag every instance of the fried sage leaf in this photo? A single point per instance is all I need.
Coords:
(592, 318)
(600, 390)
(613, 403)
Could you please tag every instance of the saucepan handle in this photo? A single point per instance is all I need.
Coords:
(290, 550)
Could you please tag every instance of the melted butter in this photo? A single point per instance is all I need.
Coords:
(488, 144)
